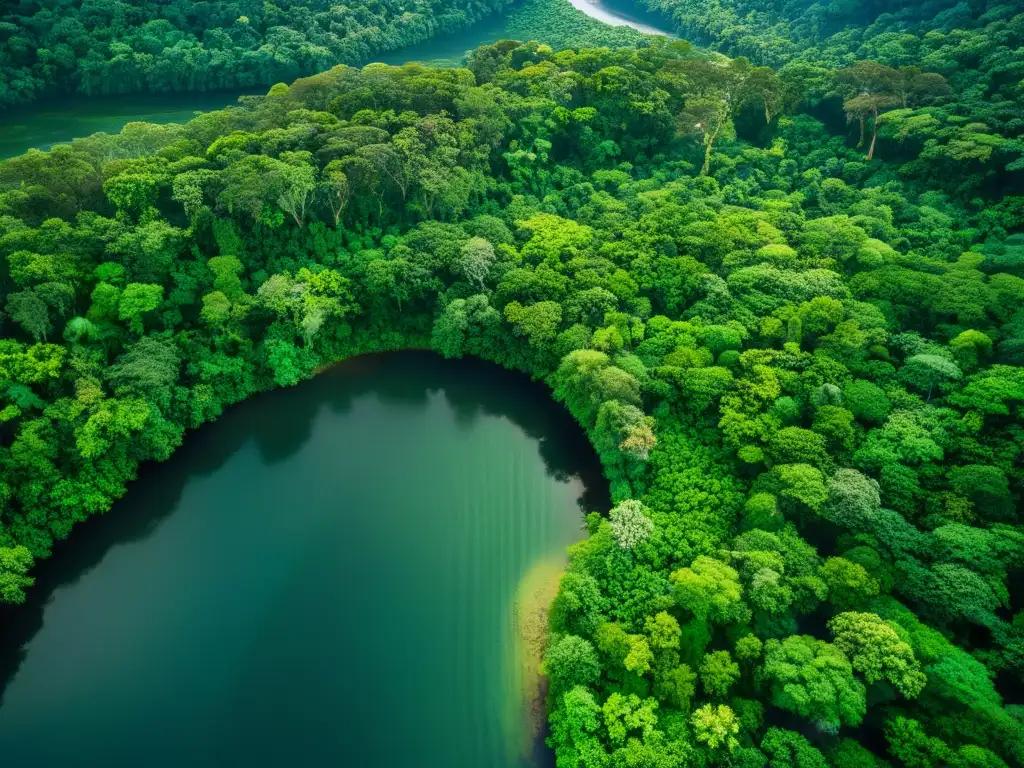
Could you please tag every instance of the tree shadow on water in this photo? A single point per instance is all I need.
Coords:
(279, 423)
(475, 388)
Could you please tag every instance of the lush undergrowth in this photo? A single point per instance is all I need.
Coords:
(801, 372)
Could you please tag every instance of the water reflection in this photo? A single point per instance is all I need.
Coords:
(280, 423)
(624, 13)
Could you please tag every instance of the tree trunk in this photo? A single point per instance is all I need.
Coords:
(708, 143)
(874, 135)
(860, 141)
(337, 210)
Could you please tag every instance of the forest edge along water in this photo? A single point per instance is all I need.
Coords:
(47, 124)
(534, 597)
(56, 122)
(623, 13)
(173, 607)
(796, 347)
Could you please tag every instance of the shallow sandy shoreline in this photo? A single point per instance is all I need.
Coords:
(533, 601)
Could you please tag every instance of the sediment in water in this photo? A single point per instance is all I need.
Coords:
(533, 599)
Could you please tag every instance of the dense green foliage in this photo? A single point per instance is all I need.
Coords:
(801, 371)
(108, 46)
(558, 24)
(970, 143)
(113, 48)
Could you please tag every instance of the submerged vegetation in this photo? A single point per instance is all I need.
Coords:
(798, 359)
(534, 597)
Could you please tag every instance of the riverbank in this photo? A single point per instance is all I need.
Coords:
(623, 13)
(558, 23)
(325, 575)
(533, 600)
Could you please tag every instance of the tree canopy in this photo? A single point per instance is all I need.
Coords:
(800, 368)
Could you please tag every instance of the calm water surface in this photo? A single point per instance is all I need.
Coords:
(325, 576)
(43, 126)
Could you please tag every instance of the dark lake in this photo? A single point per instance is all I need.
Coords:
(327, 575)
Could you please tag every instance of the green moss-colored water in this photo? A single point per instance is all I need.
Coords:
(326, 576)
(58, 122)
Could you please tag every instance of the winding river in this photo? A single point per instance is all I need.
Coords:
(43, 126)
(327, 575)
(623, 13)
